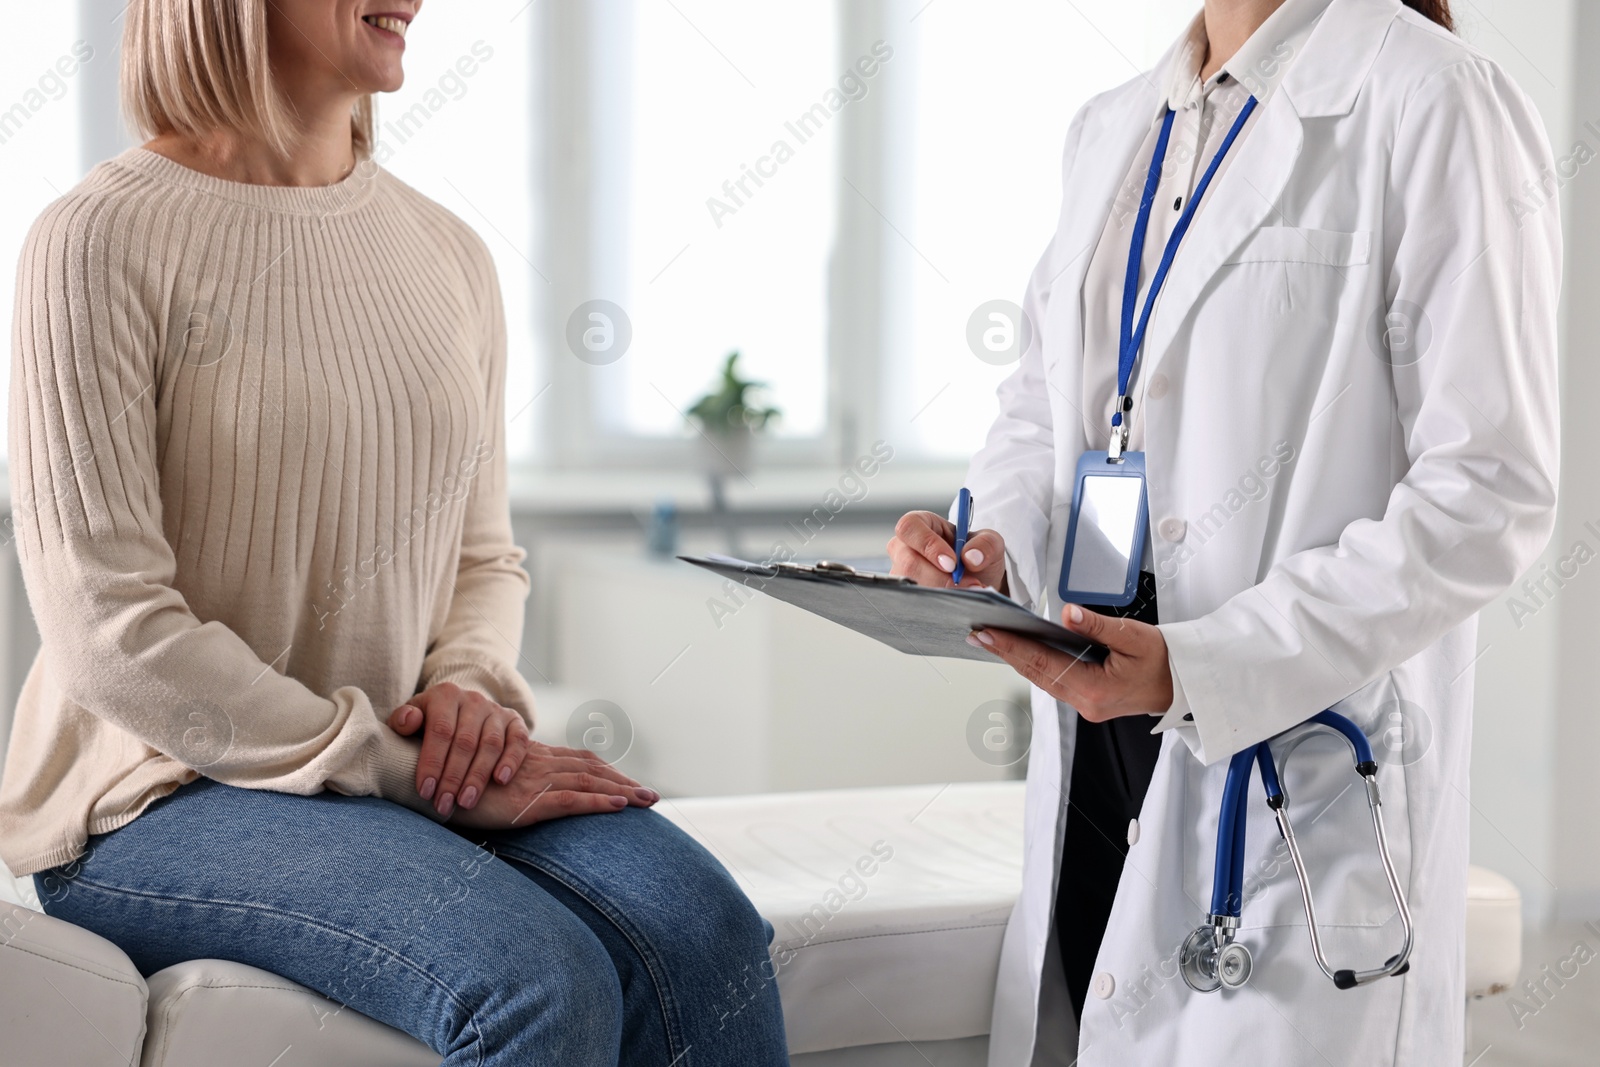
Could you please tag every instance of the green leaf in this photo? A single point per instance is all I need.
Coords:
(729, 407)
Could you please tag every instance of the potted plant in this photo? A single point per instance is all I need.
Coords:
(729, 417)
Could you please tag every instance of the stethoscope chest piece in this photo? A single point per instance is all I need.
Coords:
(1206, 967)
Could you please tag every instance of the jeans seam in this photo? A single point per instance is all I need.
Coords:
(282, 913)
(658, 975)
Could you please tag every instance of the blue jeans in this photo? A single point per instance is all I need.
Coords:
(596, 939)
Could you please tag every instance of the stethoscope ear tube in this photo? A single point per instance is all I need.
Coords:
(1210, 958)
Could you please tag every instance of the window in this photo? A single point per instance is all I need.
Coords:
(998, 82)
(843, 257)
(694, 195)
(729, 213)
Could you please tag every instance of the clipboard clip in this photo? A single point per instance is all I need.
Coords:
(828, 568)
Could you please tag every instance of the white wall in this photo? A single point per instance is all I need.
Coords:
(1531, 667)
(1576, 792)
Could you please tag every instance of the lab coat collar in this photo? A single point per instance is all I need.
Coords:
(1260, 63)
(1339, 54)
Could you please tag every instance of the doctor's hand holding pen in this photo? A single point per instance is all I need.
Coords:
(1135, 678)
(923, 549)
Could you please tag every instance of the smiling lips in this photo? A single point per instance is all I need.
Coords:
(387, 22)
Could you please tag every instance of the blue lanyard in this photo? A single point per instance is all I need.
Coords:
(1133, 337)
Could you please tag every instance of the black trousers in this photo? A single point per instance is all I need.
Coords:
(1111, 768)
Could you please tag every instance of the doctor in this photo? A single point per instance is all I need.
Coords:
(1347, 399)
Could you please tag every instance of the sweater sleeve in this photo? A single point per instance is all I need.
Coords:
(481, 640)
(117, 636)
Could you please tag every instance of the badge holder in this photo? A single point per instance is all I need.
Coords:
(1105, 536)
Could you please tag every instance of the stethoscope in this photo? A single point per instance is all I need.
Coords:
(1211, 957)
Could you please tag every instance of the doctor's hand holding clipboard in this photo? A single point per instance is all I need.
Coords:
(1134, 679)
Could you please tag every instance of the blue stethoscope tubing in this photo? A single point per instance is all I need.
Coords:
(1211, 956)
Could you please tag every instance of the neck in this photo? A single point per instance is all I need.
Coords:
(322, 152)
(1229, 24)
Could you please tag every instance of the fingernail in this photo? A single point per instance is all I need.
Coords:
(649, 796)
(469, 796)
(1075, 613)
(504, 775)
(947, 563)
(985, 638)
(619, 802)
(973, 641)
(428, 785)
(447, 804)
(974, 557)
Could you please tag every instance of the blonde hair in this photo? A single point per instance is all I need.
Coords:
(192, 66)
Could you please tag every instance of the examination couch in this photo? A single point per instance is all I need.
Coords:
(890, 902)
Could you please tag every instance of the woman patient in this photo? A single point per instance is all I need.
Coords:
(258, 466)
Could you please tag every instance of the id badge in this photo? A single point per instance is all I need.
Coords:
(1105, 537)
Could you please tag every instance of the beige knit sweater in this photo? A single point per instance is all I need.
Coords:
(259, 488)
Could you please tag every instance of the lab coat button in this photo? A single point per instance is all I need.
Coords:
(1158, 386)
(1173, 529)
(1104, 985)
(1133, 832)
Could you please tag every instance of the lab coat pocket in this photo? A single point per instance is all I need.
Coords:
(1285, 278)
(1328, 806)
(1300, 244)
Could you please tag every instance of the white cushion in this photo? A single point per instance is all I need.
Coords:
(902, 947)
(1494, 933)
(208, 1012)
(12, 890)
(961, 1052)
(66, 996)
(907, 952)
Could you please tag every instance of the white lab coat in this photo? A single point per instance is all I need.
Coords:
(1386, 175)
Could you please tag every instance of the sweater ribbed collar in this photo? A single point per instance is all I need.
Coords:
(345, 195)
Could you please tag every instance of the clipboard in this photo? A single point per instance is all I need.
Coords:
(915, 619)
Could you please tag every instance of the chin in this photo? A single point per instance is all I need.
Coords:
(383, 78)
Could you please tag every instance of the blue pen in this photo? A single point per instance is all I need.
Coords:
(963, 524)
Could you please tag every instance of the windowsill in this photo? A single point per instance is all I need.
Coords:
(894, 487)
(897, 486)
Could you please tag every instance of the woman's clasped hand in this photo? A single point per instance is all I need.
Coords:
(468, 738)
